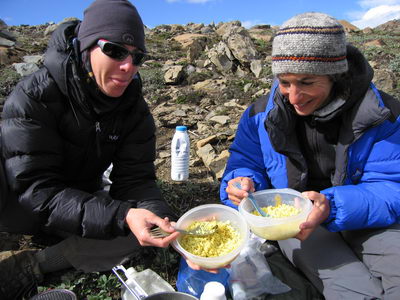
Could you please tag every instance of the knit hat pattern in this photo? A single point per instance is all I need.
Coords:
(310, 43)
(115, 20)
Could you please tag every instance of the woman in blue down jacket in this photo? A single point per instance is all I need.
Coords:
(324, 129)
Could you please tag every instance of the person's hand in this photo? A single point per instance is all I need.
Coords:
(319, 213)
(140, 221)
(236, 195)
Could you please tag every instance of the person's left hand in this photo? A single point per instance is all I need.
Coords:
(319, 213)
(140, 221)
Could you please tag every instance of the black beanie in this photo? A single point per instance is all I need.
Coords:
(114, 20)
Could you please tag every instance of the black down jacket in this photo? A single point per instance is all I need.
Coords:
(56, 147)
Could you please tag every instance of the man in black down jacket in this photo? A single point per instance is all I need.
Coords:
(62, 127)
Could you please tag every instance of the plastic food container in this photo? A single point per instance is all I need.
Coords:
(276, 228)
(218, 212)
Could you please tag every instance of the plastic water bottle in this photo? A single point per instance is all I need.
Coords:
(148, 280)
(180, 152)
(213, 290)
(238, 291)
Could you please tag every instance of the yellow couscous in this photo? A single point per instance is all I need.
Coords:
(224, 240)
(279, 211)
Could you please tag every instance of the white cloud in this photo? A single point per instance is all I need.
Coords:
(190, 1)
(375, 12)
(250, 23)
(374, 3)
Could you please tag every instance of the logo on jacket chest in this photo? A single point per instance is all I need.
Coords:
(113, 137)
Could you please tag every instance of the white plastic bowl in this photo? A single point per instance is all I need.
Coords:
(275, 229)
(218, 212)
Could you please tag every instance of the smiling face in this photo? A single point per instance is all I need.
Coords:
(112, 76)
(306, 93)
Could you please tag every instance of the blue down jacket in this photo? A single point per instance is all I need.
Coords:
(365, 190)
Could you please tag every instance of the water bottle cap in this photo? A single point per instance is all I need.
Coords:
(215, 290)
(181, 128)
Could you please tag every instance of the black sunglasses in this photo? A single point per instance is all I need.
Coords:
(119, 52)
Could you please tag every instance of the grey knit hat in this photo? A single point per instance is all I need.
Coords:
(114, 20)
(310, 43)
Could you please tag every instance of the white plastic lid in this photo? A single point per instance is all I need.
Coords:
(213, 290)
(181, 128)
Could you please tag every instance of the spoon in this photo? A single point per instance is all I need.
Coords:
(250, 196)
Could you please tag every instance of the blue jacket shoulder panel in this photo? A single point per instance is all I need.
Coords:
(370, 196)
(251, 153)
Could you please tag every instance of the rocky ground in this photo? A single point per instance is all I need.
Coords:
(202, 76)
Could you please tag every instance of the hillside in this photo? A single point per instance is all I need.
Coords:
(202, 76)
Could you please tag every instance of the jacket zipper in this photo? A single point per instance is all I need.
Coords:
(98, 132)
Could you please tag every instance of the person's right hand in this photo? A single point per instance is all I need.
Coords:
(319, 213)
(140, 221)
(236, 195)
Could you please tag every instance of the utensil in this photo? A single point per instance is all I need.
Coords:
(138, 293)
(135, 291)
(250, 196)
(157, 232)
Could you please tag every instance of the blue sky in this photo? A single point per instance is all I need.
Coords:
(362, 13)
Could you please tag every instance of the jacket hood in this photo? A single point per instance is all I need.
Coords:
(361, 73)
(58, 52)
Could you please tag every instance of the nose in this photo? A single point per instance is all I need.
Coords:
(127, 65)
(295, 94)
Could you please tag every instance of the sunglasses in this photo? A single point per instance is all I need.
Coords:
(119, 52)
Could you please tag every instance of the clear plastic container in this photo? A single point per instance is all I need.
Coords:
(180, 154)
(218, 212)
(148, 280)
(276, 228)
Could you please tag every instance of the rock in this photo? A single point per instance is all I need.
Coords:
(247, 87)
(256, 67)
(207, 154)
(188, 39)
(7, 35)
(220, 119)
(221, 56)
(226, 28)
(25, 69)
(4, 56)
(174, 75)
(367, 30)
(217, 166)
(6, 42)
(385, 80)
(241, 45)
(194, 50)
(375, 43)
(348, 27)
(34, 59)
